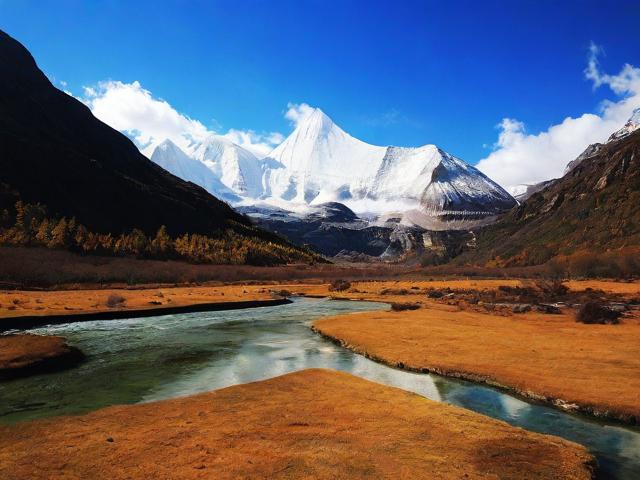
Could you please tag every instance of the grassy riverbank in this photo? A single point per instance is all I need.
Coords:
(309, 424)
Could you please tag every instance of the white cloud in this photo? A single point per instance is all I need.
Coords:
(296, 112)
(130, 108)
(148, 121)
(260, 144)
(522, 158)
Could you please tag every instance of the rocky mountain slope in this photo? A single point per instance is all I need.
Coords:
(336, 231)
(594, 207)
(627, 129)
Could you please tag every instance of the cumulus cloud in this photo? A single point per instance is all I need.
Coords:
(130, 108)
(520, 158)
(296, 112)
(148, 121)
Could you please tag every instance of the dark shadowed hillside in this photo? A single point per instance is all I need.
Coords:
(58, 161)
(594, 208)
(54, 151)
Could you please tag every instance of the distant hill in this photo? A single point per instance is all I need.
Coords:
(54, 152)
(594, 208)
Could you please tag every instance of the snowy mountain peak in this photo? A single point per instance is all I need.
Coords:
(319, 162)
(631, 126)
(316, 124)
(169, 146)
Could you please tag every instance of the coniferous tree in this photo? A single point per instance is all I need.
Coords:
(80, 237)
(20, 218)
(43, 236)
(60, 235)
(162, 244)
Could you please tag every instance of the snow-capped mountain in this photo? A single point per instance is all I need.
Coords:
(319, 163)
(631, 126)
(170, 157)
(237, 168)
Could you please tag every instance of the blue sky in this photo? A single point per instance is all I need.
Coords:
(402, 73)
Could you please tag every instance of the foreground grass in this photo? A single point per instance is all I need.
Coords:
(309, 424)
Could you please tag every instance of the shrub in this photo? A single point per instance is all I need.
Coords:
(114, 300)
(339, 286)
(399, 307)
(435, 294)
(554, 288)
(596, 313)
(282, 293)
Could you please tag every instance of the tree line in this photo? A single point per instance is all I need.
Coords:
(30, 225)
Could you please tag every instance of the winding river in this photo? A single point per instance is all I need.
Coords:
(146, 359)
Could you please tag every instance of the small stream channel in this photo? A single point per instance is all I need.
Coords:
(146, 359)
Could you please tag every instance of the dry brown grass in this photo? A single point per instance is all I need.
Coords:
(309, 424)
(20, 353)
(553, 356)
(70, 302)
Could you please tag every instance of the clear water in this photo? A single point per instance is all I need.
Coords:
(160, 357)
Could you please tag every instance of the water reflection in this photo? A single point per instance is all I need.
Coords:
(161, 357)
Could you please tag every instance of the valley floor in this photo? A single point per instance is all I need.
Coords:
(327, 424)
(309, 424)
(552, 358)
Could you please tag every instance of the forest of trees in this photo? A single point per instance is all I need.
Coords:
(30, 225)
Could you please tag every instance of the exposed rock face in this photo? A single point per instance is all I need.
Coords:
(336, 231)
(590, 151)
(531, 189)
(595, 206)
(631, 126)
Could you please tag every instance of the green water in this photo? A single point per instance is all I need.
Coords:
(147, 359)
